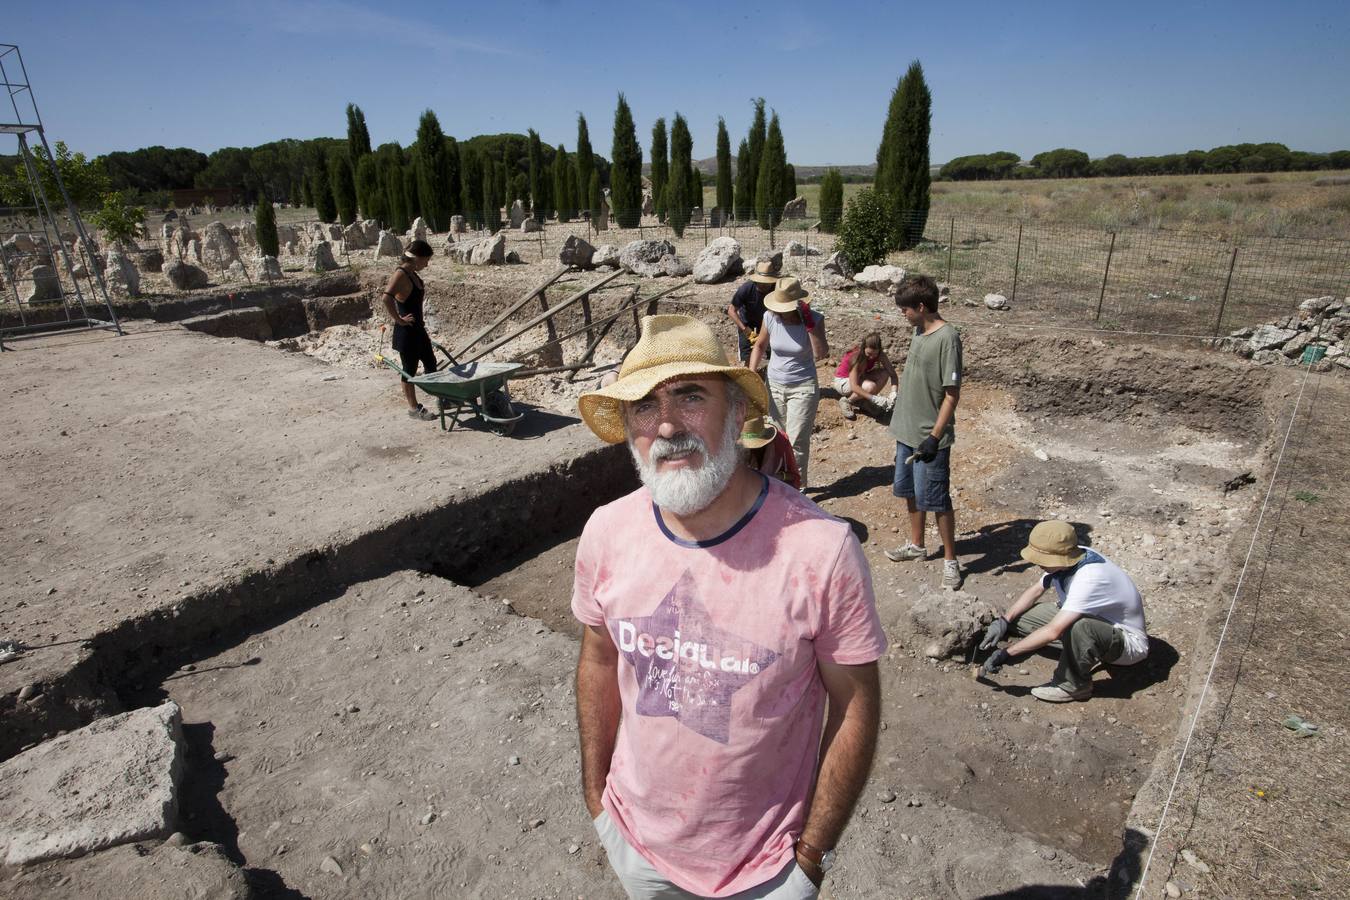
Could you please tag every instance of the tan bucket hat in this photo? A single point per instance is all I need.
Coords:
(1053, 544)
(765, 272)
(758, 432)
(784, 298)
(670, 346)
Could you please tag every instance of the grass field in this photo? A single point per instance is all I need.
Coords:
(1285, 204)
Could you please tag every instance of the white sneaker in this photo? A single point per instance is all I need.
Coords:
(952, 576)
(1054, 693)
(906, 553)
(846, 408)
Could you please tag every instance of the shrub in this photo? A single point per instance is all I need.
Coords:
(120, 222)
(865, 234)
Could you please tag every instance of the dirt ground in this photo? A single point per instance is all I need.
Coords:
(416, 735)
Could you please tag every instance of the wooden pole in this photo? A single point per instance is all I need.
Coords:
(543, 316)
(515, 307)
(1106, 273)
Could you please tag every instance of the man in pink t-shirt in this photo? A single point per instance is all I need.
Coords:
(728, 619)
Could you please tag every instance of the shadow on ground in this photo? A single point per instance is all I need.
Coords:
(1117, 885)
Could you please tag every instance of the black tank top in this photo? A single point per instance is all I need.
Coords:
(413, 305)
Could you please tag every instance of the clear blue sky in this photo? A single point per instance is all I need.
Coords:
(1137, 78)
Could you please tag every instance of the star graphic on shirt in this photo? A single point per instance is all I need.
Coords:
(686, 666)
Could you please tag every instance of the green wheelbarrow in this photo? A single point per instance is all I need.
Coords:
(475, 390)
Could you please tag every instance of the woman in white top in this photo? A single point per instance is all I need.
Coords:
(796, 336)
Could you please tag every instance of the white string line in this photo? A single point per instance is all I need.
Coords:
(1223, 633)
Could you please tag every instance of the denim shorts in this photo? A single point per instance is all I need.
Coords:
(928, 483)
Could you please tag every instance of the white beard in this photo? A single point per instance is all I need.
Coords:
(687, 491)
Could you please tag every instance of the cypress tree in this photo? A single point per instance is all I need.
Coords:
(453, 177)
(433, 173)
(370, 189)
(696, 179)
(411, 194)
(358, 148)
(471, 179)
(492, 217)
(321, 189)
(679, 189)
(585, 163)
(758, 134)
(745, 190)
(660, 170)
(903, 176)
(538, 180)
(343, 184)
(503, 185)
(594, 196)
(562, 184)
(772, 166)
(396, 199)
(789, 182)
(625, 173)
(724, 183)
(831, 201)
(265, 223)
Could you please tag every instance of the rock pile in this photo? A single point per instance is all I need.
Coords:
(1318, 322)
(185, 276)
(880, 278)
(651, 259)
(836, 274)
(487, 250)
(576, 252)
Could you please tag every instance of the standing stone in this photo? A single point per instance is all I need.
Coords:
(269, 269)
(286, 234)
(321, 257)
(696, 216)
(388, 245)
(122, 275)
(458, 225)
(797, 248)
(839, 264)
(355, 237)
(880, 278)
(218, 246)
(529, 226)
(151, 260)
(716, 260)
(606, 256)
(44, 285)
(517, 213)
(576, 252)
(647, 258)
(418, 232)
(488, 250)
(371, 229)
(185, 276)
(112, 782)
(193, 250)
(715, 217)
(996, 301)
(795, 208)
(601, 219)
(648, 207)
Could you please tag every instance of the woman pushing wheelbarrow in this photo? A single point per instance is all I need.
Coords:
(403, 297)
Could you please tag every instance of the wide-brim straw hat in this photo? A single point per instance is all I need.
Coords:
(758, 432)
(1053, 544)
(784, 298)
(670, 347)
(765, 272)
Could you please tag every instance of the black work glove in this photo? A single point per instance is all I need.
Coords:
(996, 661)
(997, 631)
(928, 450)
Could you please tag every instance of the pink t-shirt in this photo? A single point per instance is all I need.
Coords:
(722, 699)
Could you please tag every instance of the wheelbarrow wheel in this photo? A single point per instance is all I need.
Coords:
(498, 406)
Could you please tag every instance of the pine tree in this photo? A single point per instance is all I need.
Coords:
(471, 179)
(585, 163)
(758, 134)
(433, 173)
(831, 201)
(625, 173)
(679, 190)
(660, 170)
(772, 166)
(745, 189)
(903, 177)
(321, 189)
(562, 184)
(724, 182)
(265, 224)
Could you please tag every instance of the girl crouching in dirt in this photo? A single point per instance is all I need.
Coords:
(863, 374)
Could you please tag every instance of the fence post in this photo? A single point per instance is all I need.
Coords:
(951, 242)
(771, 247)
(1232, 262)
(1106, 273)
(1017, 263)
(541, 240)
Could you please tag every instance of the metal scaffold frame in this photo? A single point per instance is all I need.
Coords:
(31, 238)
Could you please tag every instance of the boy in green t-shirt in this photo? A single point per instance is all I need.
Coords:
(924, 424)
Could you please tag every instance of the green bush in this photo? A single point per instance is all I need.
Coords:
(865, 234)
(120, 222)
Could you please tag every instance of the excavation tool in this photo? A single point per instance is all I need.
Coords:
(475, 390)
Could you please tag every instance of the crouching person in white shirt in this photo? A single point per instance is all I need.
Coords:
(1098, 619)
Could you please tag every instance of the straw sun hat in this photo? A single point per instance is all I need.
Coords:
(670, 347)
(765, 272)
(1052, 544)
(784, 298)
(758, 432)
